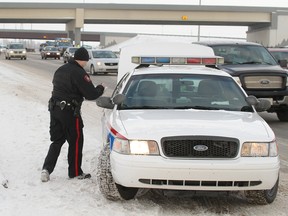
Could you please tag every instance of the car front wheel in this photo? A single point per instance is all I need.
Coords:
(92, 70)
(107, 185)
(262, 197)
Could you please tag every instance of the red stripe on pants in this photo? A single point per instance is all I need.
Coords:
(77, 147)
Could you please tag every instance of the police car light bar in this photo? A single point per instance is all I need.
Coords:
(178, 60)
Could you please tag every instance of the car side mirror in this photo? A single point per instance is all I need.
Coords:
(283, 63)
(108, 102)
(260, 104)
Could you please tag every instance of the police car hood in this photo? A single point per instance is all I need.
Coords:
(155, 124)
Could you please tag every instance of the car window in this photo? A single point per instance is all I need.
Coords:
(16, 46)
(183, 92)
(120, 85)
(54, 49)
(103, 54)
(244, 54)
(280, 55)
(72, 50)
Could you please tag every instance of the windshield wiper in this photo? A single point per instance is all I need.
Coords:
(251, 62)
(197, 107)
(144, 107)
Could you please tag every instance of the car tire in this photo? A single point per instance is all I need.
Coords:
(107, 185)
(283, 115)
(262, 197)
(92, 70)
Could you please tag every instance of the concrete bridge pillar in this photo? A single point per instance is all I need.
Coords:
(74, 27)
(272, 35)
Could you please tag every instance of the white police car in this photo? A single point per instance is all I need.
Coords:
(176, 123)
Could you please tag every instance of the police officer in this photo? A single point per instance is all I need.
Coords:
(71, 84)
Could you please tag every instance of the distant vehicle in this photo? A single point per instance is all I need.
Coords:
(102, 61)
(256, 70)
(69, 53)
(63, 44)
(280, 54)
(69, 40)
(50, 43)
(47, 43)
(2, 48)
(16, 50)
(42, 45)
(50, 52)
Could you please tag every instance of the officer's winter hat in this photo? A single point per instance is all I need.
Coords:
(81, 54)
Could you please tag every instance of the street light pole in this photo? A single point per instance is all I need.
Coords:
(198, 38)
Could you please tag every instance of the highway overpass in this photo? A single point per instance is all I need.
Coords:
(265, 25)
(103, 37)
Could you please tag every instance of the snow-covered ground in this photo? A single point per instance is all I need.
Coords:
(25, 141)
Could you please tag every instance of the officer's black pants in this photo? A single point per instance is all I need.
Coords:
(64, 126)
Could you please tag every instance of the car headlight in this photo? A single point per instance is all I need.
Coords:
(262, 149)
(135, 147)
(98, 63)
(24, 51)
(11, 52)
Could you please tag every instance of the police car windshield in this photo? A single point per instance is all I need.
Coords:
(183, 91)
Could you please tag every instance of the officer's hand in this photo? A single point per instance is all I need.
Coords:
(105, 87)
(101, 86)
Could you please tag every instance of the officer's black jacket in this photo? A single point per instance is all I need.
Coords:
(71, 81)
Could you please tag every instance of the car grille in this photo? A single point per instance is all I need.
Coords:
(112, 70)
(263, 82)
(201, 183)
(200, 147)
(111, 64)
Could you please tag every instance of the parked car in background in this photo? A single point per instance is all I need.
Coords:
(280, 54)
(2, 48)
(102, 61)
(63, 45)
(15, 50)
(47, 43)
(50, 52)
(69, 53)
(256, 70)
